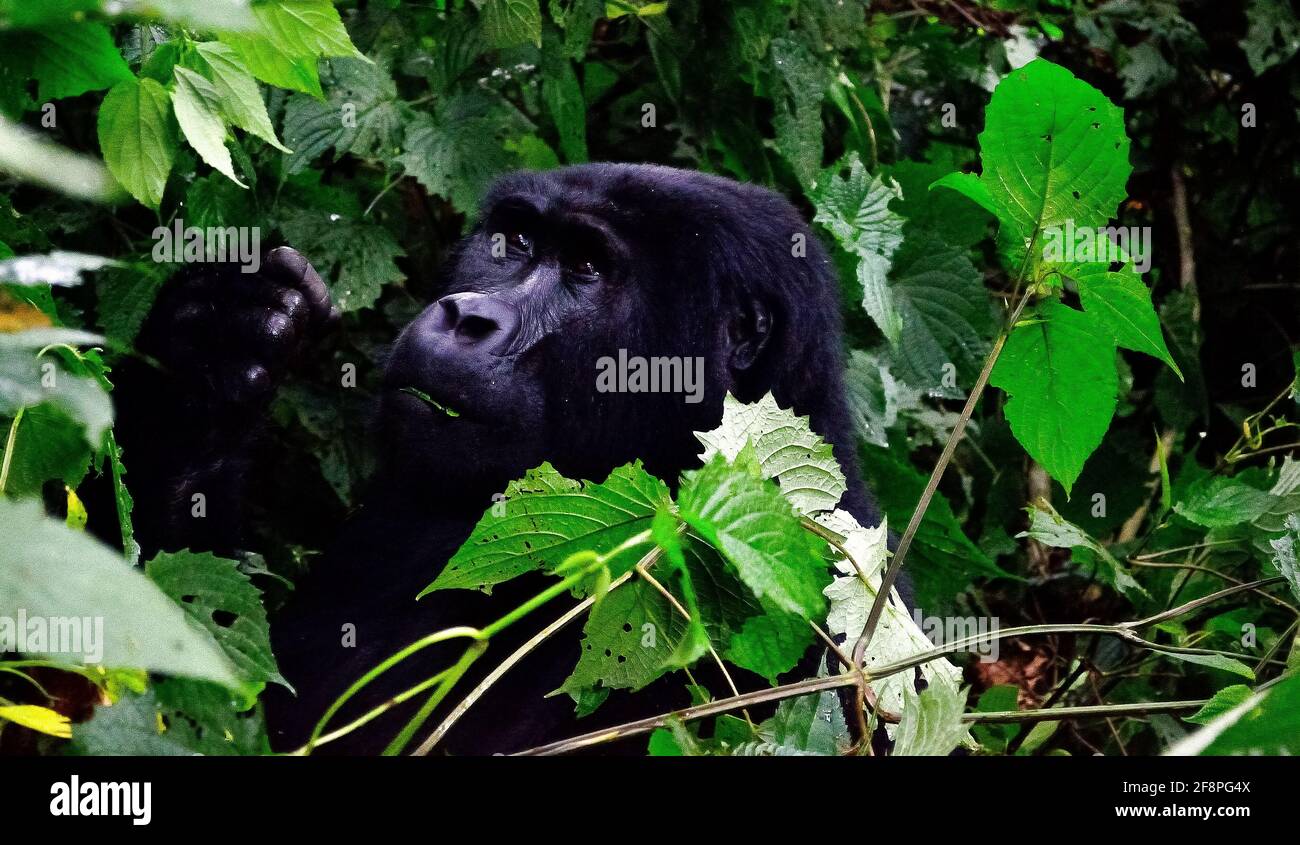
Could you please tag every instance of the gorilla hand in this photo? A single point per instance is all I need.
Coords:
(228, 338)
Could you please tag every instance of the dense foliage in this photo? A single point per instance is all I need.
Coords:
(1123, 504)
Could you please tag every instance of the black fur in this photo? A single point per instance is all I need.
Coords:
(689, 265)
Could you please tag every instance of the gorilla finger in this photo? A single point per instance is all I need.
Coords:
(270, 332)
(291, 302)
(246, 382)
(288, 266)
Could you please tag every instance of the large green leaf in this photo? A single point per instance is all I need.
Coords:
(931, 725)
(26, 381)
(854, 207)
(508, 23)
(241, 101)
(746, 519)
(1053, 150)
(546, 517)
(137, 135)
(49, 571)
(897, 637)
(1058, 367)
(76, 58)
(198, 110)
(1265, 724)
(627, 640)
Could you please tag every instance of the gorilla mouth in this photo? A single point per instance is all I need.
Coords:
(430, 401)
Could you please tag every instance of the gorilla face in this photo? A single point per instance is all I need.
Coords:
(598, 270)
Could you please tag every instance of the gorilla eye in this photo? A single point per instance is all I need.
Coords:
(520, 241)
(586, 267)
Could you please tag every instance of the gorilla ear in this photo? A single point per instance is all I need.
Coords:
(749, 332)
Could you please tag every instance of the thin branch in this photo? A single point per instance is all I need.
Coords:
(1124, 630)
(905, 542)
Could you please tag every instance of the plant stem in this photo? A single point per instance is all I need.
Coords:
(9, 448)
(905, 542)
(850, 678)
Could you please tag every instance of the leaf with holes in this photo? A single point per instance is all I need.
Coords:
(1053, 151)
(224, 601)
(627, 641)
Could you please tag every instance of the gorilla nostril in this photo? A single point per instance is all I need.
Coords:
(474, 328)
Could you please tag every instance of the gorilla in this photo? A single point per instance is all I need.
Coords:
(563, 268)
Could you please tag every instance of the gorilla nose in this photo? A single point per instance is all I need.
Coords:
(476, 319)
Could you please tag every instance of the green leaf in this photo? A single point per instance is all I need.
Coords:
(1273, 36)
(931, 725)
(545, 518)
(198, 111)
(855, 209)
(787, 449)
(943, 310)
(1223, 701)
(130, 727)
(797, 107)
(138, 138)
(1059, 371)
(1053, 150)
(1265, 724)
(459, 149)
(48, 570)
(356, 259)
(275, 67)
(770, 644)
(809, 724)
(76, 58)
(26, 381)
(897, 636)
(748, 633)
(362, 115)
(509, 23)
(224, 601)
(240, 100)
(751, 524)
(1214, 661)
(48, 444)
(1048, 527)
(627, 640)
(1284, 554)
(564, 101)
(1219, 502)
(122, 500)
(1122, 303)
